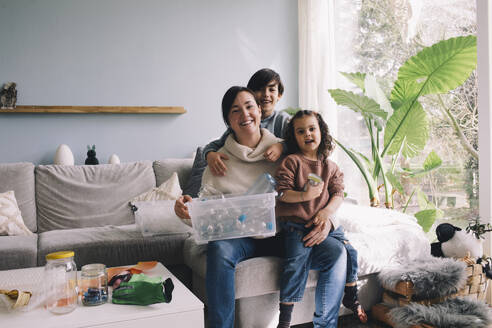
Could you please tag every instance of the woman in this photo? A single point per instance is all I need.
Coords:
(245, 148)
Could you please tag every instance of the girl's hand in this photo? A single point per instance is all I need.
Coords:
(216, 164)
(319, 218)
(312, 192)
(273, 152)
(180, 207)
(318, 234)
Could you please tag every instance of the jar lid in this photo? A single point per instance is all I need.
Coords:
(59, 255)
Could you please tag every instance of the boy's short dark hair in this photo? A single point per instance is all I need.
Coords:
(261, 79)
(229, 98)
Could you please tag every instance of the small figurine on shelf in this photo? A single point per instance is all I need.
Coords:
(8, 96)
(91, 156)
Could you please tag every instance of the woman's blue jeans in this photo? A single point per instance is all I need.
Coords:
(222, 257)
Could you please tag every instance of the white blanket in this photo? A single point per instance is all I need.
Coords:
(382, 237)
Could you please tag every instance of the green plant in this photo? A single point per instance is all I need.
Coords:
(478, 229)
(398, 127)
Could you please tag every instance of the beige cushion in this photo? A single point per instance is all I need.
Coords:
(11, 222)
(154, 213)
(169, 189)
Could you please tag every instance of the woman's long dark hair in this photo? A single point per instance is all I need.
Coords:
(326, 146)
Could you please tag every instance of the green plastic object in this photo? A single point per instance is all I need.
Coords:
(143, 290)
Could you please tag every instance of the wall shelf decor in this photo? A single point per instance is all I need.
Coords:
(95, 109)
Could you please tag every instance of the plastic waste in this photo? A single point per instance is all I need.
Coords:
(264, 184)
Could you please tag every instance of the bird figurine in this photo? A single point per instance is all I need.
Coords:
(8, 96)
(91, 156)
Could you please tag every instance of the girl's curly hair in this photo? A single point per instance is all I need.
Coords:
(326, 146)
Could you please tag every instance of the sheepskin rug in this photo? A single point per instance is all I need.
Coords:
(431, 278)
(452, 313)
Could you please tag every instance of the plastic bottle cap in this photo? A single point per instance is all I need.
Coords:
(59, 255)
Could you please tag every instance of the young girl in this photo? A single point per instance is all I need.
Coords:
(306, 211)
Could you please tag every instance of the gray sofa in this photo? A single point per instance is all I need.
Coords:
(85, 209)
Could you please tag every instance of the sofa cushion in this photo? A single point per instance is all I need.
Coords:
(255, 276)
(18, 252)
(112, 245)
(19, 177)
(82, 196)
(163, 169)
(194, 183)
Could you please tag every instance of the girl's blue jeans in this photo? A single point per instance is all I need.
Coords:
(297, 259)
(222, 257)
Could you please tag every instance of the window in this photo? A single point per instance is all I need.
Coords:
(377, 37)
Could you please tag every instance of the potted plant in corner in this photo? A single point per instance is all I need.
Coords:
(398, 126)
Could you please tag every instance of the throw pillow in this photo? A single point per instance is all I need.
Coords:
(11, 222)
(154, 210)
(169, 189)
(195, 181)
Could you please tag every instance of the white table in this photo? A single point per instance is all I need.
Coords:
(185, 310)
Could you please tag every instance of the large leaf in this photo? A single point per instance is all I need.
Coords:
(374, 91)
(356, 78)
(359, 103)
(407, 127)
(423, 202)
(404, 91)
(432, 162)
(395, 182)
(443, 66)
(426, 218)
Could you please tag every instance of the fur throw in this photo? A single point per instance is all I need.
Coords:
(452, 313)
(431, 278)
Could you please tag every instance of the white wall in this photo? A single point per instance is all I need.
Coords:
(135, 53)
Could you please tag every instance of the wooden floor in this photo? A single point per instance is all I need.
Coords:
(350, 321)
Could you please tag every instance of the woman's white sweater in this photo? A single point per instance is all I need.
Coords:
(244, 165)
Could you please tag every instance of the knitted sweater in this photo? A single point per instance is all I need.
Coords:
(243, 167)
(292, 174)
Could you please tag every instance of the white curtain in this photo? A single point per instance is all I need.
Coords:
(317, 58)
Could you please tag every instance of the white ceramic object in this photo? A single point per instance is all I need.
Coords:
(63, 156)
(114, 159)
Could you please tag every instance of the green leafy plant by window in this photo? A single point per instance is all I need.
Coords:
(399, 126)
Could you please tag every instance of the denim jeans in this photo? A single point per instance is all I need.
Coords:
(222, 258)
(329, 258)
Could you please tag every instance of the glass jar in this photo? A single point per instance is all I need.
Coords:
(61, 282)
(94, 284)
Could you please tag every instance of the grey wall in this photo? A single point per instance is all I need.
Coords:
(135, 53)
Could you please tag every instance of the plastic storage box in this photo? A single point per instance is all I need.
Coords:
(232, 216)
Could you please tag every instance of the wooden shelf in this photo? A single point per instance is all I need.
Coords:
(95, 109)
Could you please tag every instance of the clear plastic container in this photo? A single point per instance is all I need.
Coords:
(61, 282)
(94, 284)
(265, 183)
(232, 216)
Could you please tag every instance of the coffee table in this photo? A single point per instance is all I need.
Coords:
(185, 310)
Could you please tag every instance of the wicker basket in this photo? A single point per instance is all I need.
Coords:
(403, 293)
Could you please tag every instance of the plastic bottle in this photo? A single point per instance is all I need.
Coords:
(265, 183)
(61, 282)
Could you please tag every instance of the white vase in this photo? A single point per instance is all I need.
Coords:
(63, 156)
(114, 159)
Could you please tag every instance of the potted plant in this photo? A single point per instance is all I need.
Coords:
(398, 127)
